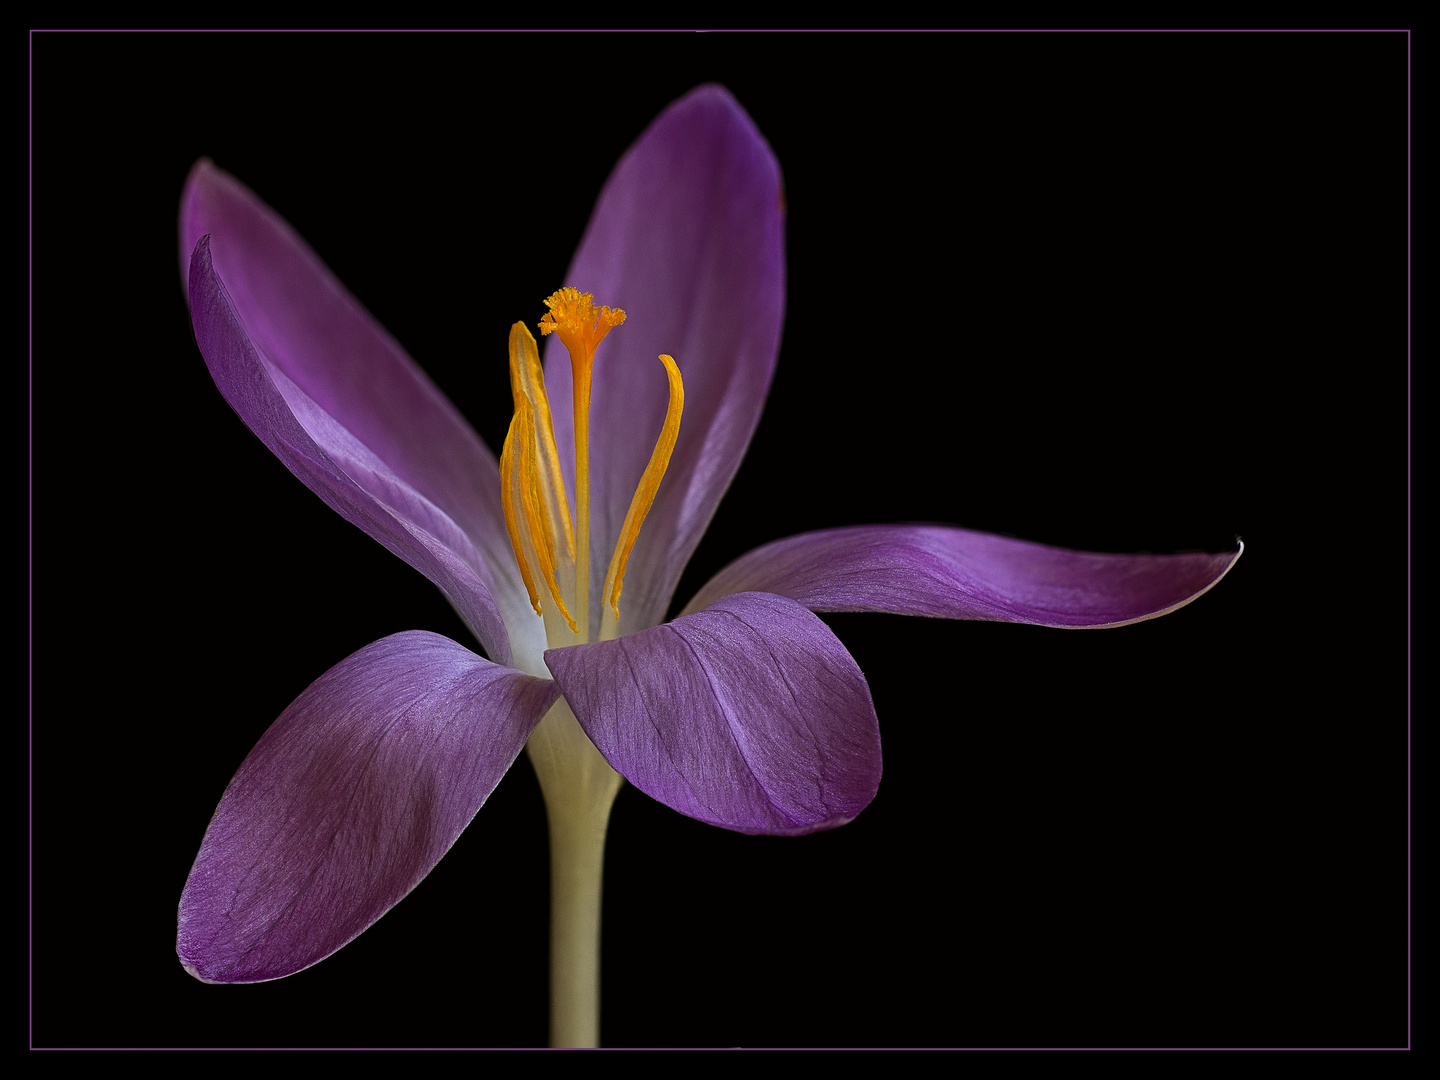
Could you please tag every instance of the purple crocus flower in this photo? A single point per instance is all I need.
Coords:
(745, 712)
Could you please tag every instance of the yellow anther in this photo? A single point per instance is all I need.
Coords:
(514, 511)
(527, 381)
(531, 490)
(649, 484)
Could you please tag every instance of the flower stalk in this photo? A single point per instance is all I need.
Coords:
(579, 787)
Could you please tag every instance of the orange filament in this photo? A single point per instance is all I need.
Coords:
(580, 326)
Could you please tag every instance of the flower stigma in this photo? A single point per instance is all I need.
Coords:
(553, 553)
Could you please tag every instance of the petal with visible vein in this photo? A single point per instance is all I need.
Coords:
(342, 470)
(749, 715)
(348, 801)
(349, 383)
(951, 573)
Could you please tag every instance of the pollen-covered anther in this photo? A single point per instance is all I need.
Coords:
(649, 484)
(531, 489)
(580, 325)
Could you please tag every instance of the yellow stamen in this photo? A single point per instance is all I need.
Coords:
(507, 501)
(530, 485)
(649, 485)
(527, 378)
(532, 491)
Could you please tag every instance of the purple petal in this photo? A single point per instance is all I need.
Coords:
(349, 799)
(688, 238)
(341, 404)
(749, 715)
(953, 573)
(335, 465)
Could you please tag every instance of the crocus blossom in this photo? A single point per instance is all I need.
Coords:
(745, 711)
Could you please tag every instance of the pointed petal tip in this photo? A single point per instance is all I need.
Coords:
(204, 177)
(940, 571)
(194, 974)
(713, 94)
(203, 167)
(1230, 565)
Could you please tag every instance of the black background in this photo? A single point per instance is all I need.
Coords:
(1116, 292)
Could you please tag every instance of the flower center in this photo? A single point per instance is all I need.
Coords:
(550, 552)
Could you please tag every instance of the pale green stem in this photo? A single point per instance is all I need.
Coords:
(579, 787)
